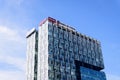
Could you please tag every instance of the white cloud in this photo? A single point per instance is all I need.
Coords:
(18, 73)
(13, 2)
(12, 75)
(12, 41)
(18, 62)
(10, 34)
(112, 77)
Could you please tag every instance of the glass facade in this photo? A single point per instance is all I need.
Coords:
(90, 74)
(65, 47)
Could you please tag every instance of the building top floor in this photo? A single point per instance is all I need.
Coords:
(68, 28)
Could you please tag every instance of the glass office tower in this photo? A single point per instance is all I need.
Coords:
(61, 53)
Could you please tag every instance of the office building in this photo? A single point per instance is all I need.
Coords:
(59, 52)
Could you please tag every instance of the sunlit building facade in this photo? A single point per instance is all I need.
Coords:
(58, 52)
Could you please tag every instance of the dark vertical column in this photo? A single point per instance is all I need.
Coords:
(36, 57)
(77, 71)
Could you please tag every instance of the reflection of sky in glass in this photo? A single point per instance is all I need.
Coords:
(90, 74)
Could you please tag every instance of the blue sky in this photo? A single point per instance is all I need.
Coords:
(99, 19)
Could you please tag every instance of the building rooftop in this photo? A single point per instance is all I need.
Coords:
(30, 32)
(64, 26)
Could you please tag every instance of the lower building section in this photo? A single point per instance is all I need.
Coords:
(81, 71)
(90, 74)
